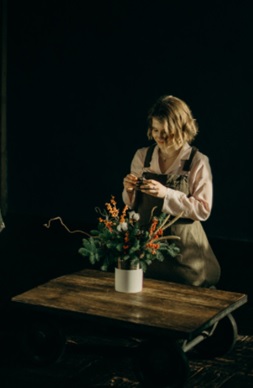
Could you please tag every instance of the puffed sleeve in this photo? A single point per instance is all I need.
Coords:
(198, 205)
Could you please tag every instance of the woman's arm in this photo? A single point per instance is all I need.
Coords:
(136, 169)
(199, 204)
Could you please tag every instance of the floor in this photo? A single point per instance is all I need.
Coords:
(105, 362)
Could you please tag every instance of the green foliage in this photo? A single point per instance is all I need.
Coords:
(119, 235)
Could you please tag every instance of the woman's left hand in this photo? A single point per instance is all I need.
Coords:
(153, 188)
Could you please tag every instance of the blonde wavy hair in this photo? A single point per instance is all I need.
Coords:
(178, 116)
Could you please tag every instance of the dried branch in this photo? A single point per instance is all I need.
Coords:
(48, 225)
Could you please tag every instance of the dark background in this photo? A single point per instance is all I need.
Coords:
(81, 78)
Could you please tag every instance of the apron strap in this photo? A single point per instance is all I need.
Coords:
(149, 155)
(187, 163)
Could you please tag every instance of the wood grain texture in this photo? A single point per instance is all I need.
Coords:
(181, 310)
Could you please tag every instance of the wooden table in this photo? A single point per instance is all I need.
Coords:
(182, 314)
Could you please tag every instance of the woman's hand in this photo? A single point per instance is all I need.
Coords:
(129, 183)
(154, 188)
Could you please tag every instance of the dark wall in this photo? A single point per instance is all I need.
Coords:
(81, 78)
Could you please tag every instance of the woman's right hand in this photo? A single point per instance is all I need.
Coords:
(129, 182)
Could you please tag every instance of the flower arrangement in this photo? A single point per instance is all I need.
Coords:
(118, 235)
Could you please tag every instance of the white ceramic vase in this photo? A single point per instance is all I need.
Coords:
(128, 280)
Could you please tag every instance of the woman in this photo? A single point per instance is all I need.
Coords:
(175, 178)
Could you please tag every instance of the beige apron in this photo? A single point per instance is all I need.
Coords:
(196, 264)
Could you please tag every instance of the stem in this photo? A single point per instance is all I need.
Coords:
(164, 222)
(165, 238)
(172, 221)
(62, 223)
(163, 226)
(152, 212)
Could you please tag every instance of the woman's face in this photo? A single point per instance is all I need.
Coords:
(161, 135)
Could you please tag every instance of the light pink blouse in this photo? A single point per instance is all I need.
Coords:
(199, 204)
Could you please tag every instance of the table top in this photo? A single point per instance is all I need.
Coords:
(182, 311)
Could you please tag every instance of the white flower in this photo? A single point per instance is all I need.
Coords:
(122, 227)
(133, 215)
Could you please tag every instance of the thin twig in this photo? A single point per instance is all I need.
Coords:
(62, 223)
(166, 238)
(172, 221)
(164, 222)
(152, 213)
